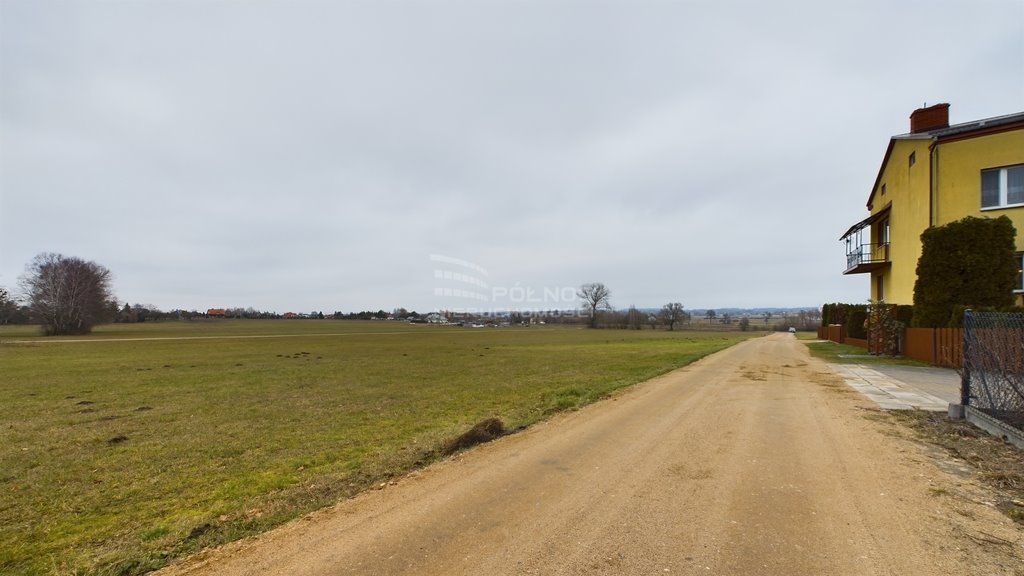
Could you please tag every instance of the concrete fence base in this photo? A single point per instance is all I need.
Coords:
(993, 426)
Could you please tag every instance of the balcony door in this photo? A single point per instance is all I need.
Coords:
(882, 248)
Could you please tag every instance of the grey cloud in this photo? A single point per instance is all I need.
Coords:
(311, 155)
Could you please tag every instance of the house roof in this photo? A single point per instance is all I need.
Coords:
(954, 132)
(966, 128)
(867, 222)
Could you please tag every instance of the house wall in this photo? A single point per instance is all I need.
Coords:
(907, 190)
(942, 186)
(958, 185)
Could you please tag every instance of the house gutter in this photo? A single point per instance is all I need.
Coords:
(933, 177)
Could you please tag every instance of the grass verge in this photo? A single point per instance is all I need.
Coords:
(141, 444)
(846, 354)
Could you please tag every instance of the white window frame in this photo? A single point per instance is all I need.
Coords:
(1004, 187)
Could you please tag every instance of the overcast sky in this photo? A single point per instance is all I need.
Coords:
(347, 155)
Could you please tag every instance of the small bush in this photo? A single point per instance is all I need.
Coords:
(852, 316)
(857, 316)
(481, 432)
(904, 313)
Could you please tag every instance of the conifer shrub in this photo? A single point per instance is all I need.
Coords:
(967, 263)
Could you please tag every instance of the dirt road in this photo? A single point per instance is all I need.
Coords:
(756, 460)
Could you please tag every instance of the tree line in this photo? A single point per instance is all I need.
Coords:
(596, 301)
(69, 296)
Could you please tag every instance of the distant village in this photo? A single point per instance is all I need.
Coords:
(779, 319)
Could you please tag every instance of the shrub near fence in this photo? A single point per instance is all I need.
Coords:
(938, 346)
(837, 333)
(852, 316)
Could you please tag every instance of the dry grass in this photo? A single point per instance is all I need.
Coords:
(481, 432)
(998, 464)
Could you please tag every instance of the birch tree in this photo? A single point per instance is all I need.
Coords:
(67, 295)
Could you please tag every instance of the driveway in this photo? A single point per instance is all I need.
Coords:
(942, 383)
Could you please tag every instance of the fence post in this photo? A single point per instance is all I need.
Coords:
(965, 376)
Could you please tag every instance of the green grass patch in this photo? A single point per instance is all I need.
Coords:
(141, 443)
(846, 354)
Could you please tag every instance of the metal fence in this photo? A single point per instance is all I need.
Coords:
(993, 371)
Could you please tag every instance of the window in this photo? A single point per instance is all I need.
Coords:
(1001, 187)
(913, 158)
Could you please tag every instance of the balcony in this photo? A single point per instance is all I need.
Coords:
(864, 257)
(861, 258)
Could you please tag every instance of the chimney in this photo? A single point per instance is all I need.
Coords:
(930, 118)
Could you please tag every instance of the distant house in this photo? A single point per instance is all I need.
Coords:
(290, 315)
(435, 318)
(931, 176)
(215, 313)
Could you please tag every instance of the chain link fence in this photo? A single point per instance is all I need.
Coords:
(993, 371)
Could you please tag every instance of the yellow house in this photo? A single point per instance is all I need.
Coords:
(934, 175)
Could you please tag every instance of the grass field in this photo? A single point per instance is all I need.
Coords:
(140, 443)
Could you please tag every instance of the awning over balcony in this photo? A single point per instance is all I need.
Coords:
(864, 256)
(866, 222)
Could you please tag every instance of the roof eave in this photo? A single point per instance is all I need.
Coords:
(881, 169)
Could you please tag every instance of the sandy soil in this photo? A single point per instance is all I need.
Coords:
(756, 460)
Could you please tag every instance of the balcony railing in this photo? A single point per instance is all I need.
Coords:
(862, 258)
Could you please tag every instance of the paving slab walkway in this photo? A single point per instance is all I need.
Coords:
(903, 387)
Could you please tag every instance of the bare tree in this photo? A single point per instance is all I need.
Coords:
(67, 295)
(595, 297)
(671, 314)
(7, 306)
(634, 319)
